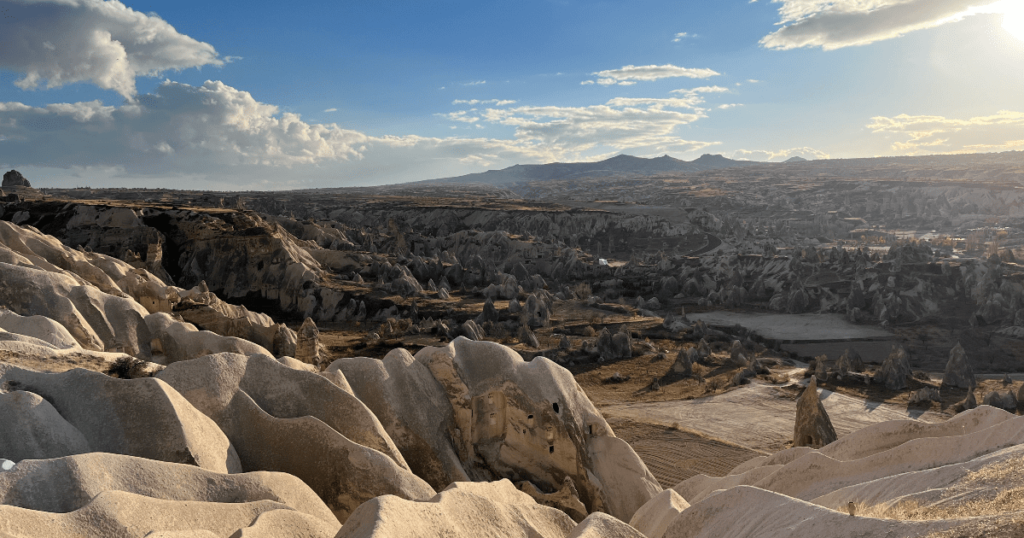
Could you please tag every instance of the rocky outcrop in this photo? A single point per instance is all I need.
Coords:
(307, 347)
(813, 427)
(78, 411)
(653, 518)
(178, 341)
(531, 420)
(895, 369)
(457, 512)
(414, 410)
(958, 370)
(281, 419)
(141, 515)
(14, 178)
(684, 362)
(66, 484)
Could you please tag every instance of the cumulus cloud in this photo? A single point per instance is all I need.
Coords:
(939, 134)
(215, 136)
(58, 42)
(779, 155)
(834, 24)
(631, 74)
(179, 127)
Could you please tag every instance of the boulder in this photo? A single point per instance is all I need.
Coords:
(958, 371)
(142, 417)
(281, 419)
(895, 369)
(813, 427)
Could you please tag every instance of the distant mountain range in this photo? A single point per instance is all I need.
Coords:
(624, 165)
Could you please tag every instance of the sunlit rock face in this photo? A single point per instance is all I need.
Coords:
(81, 411)
(294, 421)
(531, 421)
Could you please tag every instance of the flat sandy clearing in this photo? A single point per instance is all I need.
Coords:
(794, 327)
(760, 416)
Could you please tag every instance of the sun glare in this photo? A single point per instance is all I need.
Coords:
(1013, 19)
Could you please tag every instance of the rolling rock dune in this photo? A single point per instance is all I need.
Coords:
(119, 416)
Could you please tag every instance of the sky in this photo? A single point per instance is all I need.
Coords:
(271, 95)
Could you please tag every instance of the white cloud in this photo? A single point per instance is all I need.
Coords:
(680, 36)
(215, 136)
(631, 74)
(727, 106)
(462, 116)
(495, 102)
(702, 89)
(779, 155)
(475, 83)
(60, 42)
(833, 24)
(586, 82)
(938, 134)
(330, 110)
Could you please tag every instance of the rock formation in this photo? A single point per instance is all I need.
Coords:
(531, 419)
(307, 346)
(14, 178)
(895, 369)
(52, 415)
(813, 427)
(313, 430)
(958, 371)
(684, 361)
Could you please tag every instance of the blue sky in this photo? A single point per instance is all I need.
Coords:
(265, 95)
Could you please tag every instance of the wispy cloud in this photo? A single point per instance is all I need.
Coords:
(631, 74)
(779, 155)
(475, 83)
(58, 42)
(495, 102)
(702, 89)
(330, 110)
(938, 134)
(834, 24)
(462, 115)
(681, 36)
(727, 106)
